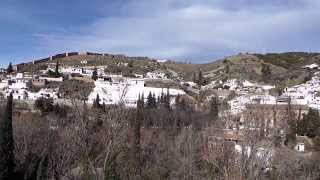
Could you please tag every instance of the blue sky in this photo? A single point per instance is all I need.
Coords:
(186, 30)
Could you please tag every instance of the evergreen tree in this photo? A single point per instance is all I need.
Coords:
(292, 126)
(150, 101)
(56, 72)
(162, 97)
(42, 169)
(200, 78)
(95, 74)
(110, 172)
(154, 101)
(309, 124)
(7, 164)
(10, 68)
(214, 108)
(135, 147)
(194, 77)
(167, 100)
(266, 72)
(96, 102)
(308, 77)
(50, 73)
(227, 69)
(130, 64)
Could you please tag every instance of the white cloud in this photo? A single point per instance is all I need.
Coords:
(193, 30)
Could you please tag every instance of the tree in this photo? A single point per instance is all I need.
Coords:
(214, 108)
(135, 147)
(292, 126)
(50, 73)
(167, 100)
(130, 64)
(266, 72)
(309, 124)
(227, 68)
(200, 78)
(154, 100)
(42, 168)
(194, 77)
(10, 68)
(151, 101)
(96, 102)
(95, 74)
(308, 77)
(45, 105)
(56, 72)
(7, 164)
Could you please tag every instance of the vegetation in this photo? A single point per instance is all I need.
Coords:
(95, 74)
(153, 141)
(10, 68)
(310, 124)
(55, 73)
(7, 164)
(96, 102)
(287, 60)
(45, 105)
(76, 89)
(158, 140)
(266, 72)
(214, 108)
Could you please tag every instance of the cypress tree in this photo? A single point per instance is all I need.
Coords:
(154, 101)
(135, 147)
(200, 78)
(6, 143)
(227, 69)
(266, 72)
(214, 108)
(167, 100)
(292, 126)
(149, 101)
(194, 77)
(43, 168)
(10, 68)
(96, 102)
(309, 123)
(56, 72)
(95, 74)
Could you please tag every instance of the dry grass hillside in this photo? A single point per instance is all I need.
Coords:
(285, 68)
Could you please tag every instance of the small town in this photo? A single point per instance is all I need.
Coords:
(159, 90)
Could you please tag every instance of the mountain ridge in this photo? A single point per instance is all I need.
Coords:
(283, 66)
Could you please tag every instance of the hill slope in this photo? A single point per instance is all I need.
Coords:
(284, 68)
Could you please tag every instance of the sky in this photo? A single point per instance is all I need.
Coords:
(186, 30)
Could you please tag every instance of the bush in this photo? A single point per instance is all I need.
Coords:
(45, 105)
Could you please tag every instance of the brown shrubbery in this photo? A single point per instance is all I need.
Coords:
(153, 141)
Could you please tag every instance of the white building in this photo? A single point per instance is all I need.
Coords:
(156, 75)
(126, 91)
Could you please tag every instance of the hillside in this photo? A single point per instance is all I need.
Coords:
(284, 68)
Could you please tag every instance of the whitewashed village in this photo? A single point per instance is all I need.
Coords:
(243, 99)
(111, 88)
(159, 90)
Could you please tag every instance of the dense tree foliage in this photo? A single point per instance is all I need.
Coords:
(117, 142)
(266, 72)
(7, 164)
(43, 104)
(10, 68)
(95, 74)
(310, 124)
